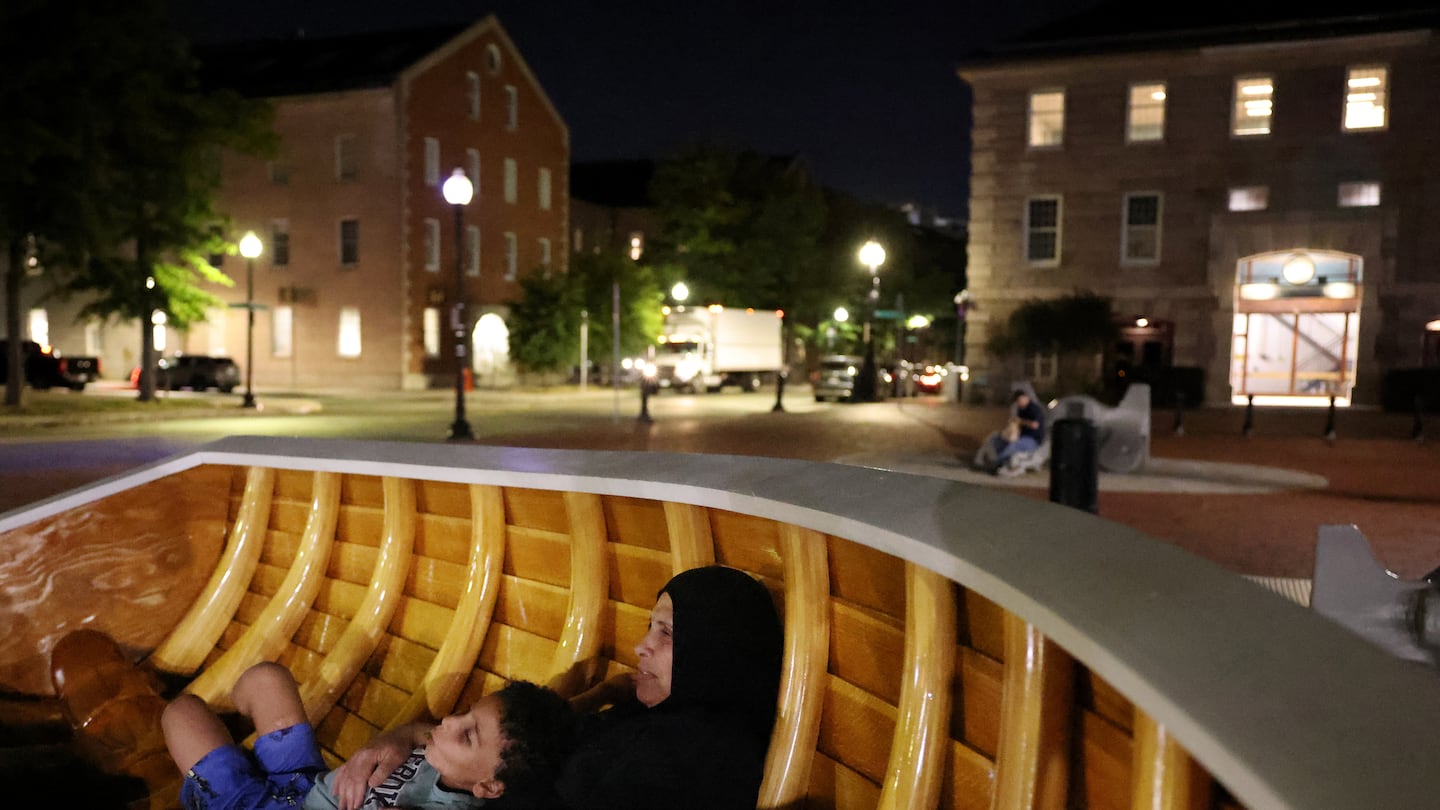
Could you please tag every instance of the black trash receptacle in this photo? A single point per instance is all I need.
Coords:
(1074, 467)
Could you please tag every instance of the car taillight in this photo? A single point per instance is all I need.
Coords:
(64, 366)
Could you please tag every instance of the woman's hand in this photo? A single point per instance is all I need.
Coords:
(610, 691)
(370, 766)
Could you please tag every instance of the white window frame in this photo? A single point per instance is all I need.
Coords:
(512, 107)
(1031, 119)
(472, 95)
(1027, 230)
(432, 162)
(1362, 97)
(1239, 104)
(1239, 193)
(282, 331)
(1126, 228)
(472, 250)
(1152, 103)
(1042, 366)
(430, 331)
(1359, 194)
(349, 343)
(512, 181)
(512, 256)
(544, 183)
(432, 245)
(472, 169)
(347, 168)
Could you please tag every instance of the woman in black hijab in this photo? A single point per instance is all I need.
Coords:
(694, 731)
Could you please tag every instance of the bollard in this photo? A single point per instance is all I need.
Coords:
(1179, 413)
(644, 402)
(1417, 431)
(1074, 462)
(779, 392)
(1330, 422)
(1249, 426)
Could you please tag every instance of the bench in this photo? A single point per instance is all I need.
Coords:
(946, 645)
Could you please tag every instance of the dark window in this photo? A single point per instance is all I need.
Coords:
(349, 241)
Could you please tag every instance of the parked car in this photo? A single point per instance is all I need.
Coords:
(930, 378)
(44, 367)
(836, 378)
(197, 371)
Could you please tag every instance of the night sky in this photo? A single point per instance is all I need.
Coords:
(867, 95)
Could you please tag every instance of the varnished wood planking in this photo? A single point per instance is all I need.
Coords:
(402, 664)
(748, 543)
(539, 555)
(866, 577)
(867, 650)
(293, 485)
(982, 625)
(851, 723)
(975, 712)
(363, 490)
(361, 525)
(637, 574)
(838, 786)
(421, 622)
(636, 522)
(352, 562)
(969, 780)
(538, 509)
(441, 537)
(515, 654)
(1093, 692)
(534, 606)
(628, 624)
(1101, 777)
(443, 499)
(436, 580)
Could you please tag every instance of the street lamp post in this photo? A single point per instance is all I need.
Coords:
(962, 304)
(872, 255)
(250, 248)
(458, 190)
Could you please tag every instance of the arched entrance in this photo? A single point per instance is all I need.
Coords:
(1297, 327)
(491, 349)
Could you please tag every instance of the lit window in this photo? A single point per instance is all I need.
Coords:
(512, 255)
(472, 169)
(431, 327)
(1254, 106)
(544, 189)
(279, 242)
(158, 333)
(1145, 120)
(40, 326)
(1042, 230)
(432, 245)
(349, 241)
(545, 252)
(472, 250)
(472, 94)
(1249, 198)
(282, 331)
(432, 161)
(1047, 118)
(512, 181)
(637, 245)
(346, 167)
(512, 107)
(1359, 195)
(1365, 98)
(279, 173)
(349, 343)
(1141, 231)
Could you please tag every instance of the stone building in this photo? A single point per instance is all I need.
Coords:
(1257, 196)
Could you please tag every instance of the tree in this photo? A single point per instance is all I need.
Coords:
(1078, 325)
(545, 321)
(121, 147)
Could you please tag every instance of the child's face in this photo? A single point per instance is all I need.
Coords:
(467, 748)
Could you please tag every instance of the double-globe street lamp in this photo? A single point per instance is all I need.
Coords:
(458, 191)
(250, 248)
(872, 255)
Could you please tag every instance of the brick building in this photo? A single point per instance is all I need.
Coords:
(358, 277)
(1258, 199)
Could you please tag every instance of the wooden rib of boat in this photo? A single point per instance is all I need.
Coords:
(945, 645)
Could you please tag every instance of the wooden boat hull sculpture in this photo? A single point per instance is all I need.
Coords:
(946, 645)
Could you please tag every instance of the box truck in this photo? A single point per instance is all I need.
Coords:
(710, 347)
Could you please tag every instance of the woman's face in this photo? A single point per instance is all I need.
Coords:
(656, 652)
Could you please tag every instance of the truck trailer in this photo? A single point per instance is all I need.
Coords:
(711, 347)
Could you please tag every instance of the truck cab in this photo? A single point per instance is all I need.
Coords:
(711, 347)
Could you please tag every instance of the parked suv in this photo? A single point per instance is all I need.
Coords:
(198, 371)
(43, 368)
(837, 375)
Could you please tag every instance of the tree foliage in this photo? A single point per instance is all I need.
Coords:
(1079, 323)
(117, 162)
(545, 321)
